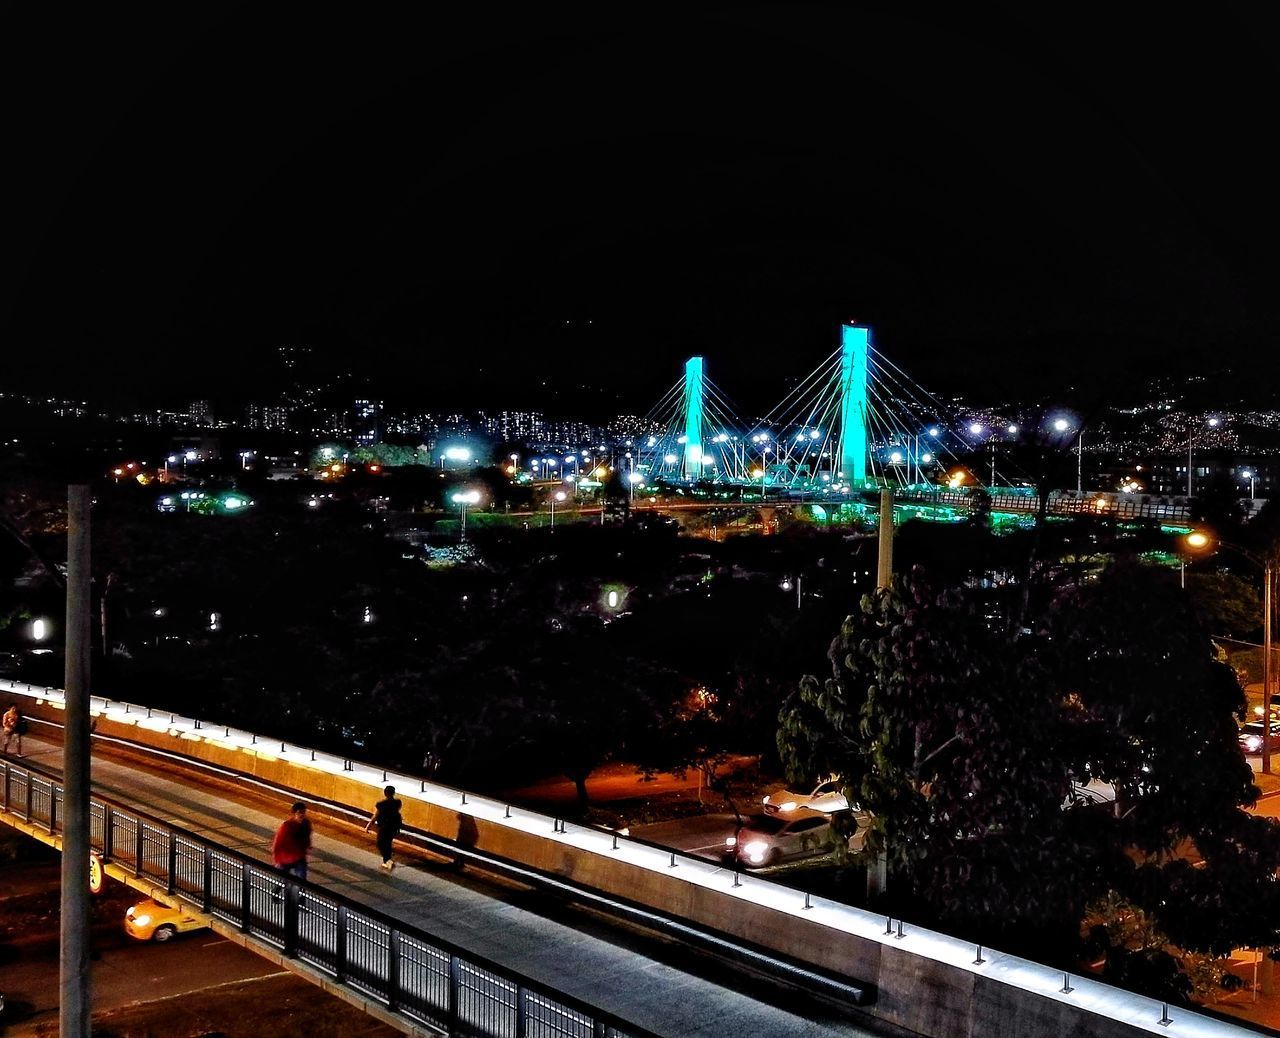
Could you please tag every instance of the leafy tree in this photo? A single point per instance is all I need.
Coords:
(1227, 604)
(926, 720)
(963, 742)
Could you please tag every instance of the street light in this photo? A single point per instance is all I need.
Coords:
(1252, 477)
(1198, 540)
(557, 496)
(1212, 423)
(462, 499)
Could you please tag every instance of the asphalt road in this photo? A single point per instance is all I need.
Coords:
(124, 972)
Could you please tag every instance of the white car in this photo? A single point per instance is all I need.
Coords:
(826, 797)
(772, 839)
(1095, 791)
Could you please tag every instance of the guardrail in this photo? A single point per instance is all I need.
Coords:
(415, 974)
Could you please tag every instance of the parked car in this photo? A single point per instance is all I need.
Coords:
(826, 797)
(151, 921)
(770, 839)
(1251, 736)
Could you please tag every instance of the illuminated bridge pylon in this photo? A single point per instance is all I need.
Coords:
(693, 417)
(853, 403)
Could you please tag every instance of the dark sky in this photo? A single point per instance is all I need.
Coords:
(1017, 199)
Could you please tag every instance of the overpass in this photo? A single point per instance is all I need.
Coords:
(435, 951)
(946, 504)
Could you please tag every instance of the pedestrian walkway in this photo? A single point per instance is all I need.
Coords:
(649, 981)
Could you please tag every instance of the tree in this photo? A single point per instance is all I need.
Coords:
(925, 719)
(963, 743)
(1227, 604)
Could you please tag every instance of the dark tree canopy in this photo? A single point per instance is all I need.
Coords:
(963, 739)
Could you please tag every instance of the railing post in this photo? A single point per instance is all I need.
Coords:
(521, 1011)
(340, 947)
(206, 902)
(108, 831)
(137, 846)
(53, 808)
(245, 897)
(6, 787)
(393, 972)
(455, 986)
(291, 918)
(173, 860)
(28, 816)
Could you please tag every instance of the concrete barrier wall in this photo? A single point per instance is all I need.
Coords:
(915, 988)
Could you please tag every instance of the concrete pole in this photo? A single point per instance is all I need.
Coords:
(884, 563)
(878, 870)
(1268, 666)
(74, 1012)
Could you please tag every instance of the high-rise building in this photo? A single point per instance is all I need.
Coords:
(266, 416)
(366, 422)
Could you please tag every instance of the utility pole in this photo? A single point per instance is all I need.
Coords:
(884, 561)
(74, 1014)
(878, 870)
(1268, 666)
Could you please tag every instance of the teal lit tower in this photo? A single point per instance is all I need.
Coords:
(693, 418)
(853, 403)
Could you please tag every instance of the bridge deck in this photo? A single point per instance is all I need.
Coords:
(640, 977)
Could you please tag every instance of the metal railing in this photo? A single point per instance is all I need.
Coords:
(1094, 504)
(418, 975)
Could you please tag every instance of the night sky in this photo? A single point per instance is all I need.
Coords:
(465, 204)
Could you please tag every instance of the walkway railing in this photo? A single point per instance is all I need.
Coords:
(418, 975)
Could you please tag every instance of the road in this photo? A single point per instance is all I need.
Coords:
(124, 972)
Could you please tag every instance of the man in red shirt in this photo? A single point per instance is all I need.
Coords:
(292, 844)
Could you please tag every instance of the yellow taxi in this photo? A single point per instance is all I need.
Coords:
(149, 920)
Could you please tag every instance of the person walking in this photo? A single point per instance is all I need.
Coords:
(292, 844)
(386, 816)
(14, 724)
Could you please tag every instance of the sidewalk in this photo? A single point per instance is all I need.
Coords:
(1246, 1004)
(614, 781)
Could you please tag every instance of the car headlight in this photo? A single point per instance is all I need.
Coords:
(731, 841)
(790, 805)
(1254, 743)
(141, 920)
(756, 850)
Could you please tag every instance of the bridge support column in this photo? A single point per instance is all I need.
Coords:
(853, 404)
(693, 418)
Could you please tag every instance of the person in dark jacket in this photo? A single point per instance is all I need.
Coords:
(386, 816)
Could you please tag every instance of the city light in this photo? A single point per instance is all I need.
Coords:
(1061, 424)
(39, 630)
(457, 453)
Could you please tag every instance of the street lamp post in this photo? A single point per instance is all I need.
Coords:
(1080, 463)
(1252, 477)
(1199, 540)
(557, 496)
(466, 497)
